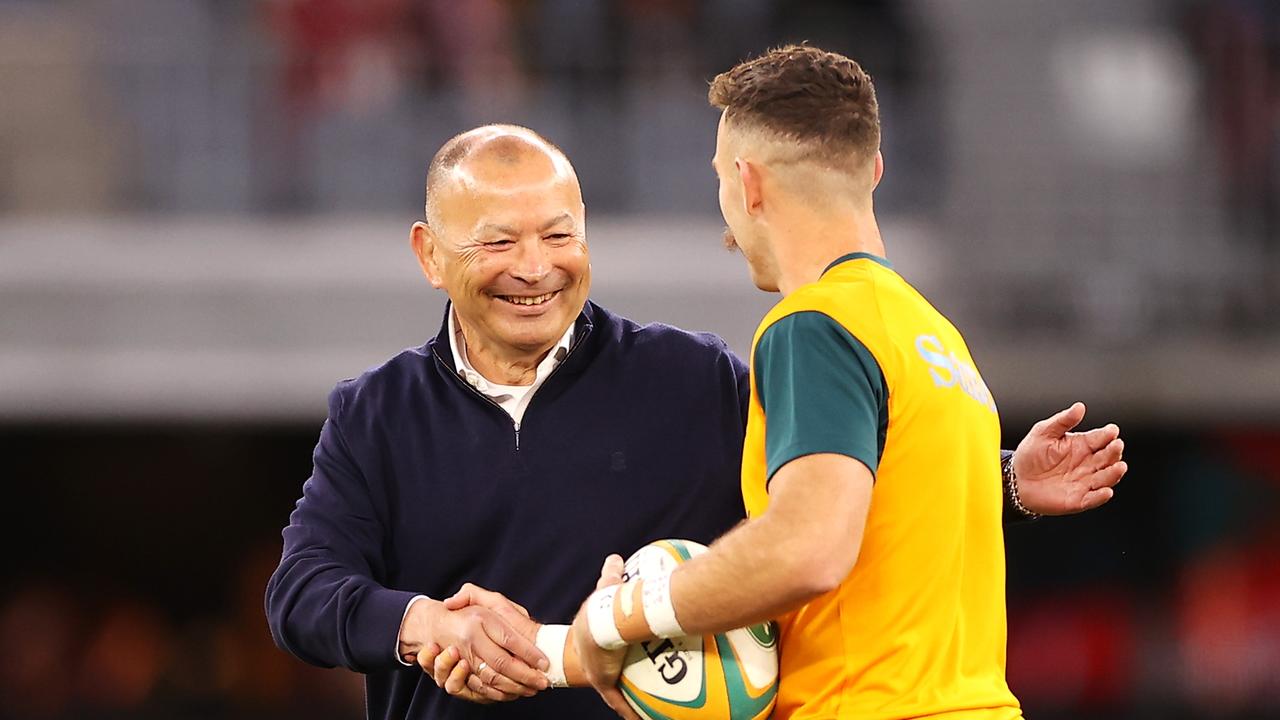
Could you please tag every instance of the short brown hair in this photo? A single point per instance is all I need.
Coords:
(822, 101)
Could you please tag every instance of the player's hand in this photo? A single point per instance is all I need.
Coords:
(451, 672)
(611, 572)
(446, 663)
(1060, 472)
(453, 675)
(601, 667)
(507, 664)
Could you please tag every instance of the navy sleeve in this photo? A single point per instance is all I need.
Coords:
(822, 392)
(323, 602)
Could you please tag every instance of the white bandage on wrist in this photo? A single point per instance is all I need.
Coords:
(551, 640)
(659, 613)
(604, 631)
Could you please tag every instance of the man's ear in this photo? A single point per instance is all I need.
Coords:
(752, 186)
(879, 171)
(423, 242)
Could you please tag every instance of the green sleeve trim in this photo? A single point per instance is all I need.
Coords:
(822, 392)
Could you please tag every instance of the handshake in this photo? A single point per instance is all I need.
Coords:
(480, 646)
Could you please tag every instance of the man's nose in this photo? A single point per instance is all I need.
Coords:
(532, 263)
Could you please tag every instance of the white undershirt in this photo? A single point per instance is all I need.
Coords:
(514, 399)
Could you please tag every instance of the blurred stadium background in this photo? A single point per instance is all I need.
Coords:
(204, 208)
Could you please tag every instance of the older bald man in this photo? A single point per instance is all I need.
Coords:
(500, 452)
(533, 436)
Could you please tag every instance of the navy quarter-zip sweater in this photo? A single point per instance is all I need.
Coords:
(420, 484)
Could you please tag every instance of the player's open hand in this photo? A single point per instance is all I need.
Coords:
(1061, 472)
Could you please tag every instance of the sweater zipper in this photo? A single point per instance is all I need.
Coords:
(572, 348)
(514, 425)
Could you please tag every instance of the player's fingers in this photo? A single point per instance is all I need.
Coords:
(1107, 456)
(427, 656)
(1061, 423)
(455, 679)
(460, 683)
(611, 571)
(525, 655)
(499, 688)
(486, 693)
(1098, 438)
(1108, 476)
(616, 702)
(1096, 498)
(500, 669)
(497, 681)
(445, 665)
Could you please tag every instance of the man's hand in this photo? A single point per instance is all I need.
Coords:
(1061, 472)
(514, 613)
(451, 672)
(600, 667)
(497, 648)
(454, 675)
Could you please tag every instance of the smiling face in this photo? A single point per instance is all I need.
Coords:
(506, 241)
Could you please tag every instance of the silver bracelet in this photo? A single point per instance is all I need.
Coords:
(1011, 489)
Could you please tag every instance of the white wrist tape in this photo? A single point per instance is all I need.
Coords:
(551, 640)
(659, 613)
(604, 631)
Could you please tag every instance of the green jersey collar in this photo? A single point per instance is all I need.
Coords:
(858, 256)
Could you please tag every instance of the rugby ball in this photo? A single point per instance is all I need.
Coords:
(726, 676)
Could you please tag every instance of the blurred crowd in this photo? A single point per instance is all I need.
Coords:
(1175, 609)
(74, 651)
(241, 105)
(1238, 42)
(330, 105)
(1142, 137)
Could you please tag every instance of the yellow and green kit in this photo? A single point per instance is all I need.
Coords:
(860, 364)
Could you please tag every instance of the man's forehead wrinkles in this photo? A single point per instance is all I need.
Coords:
(562, 217)
(483, 226)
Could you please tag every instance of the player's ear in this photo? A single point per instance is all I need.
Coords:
(752, 186)
(423, 241)
(879, 171)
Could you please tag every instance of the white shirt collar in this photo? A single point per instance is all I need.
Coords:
(514, 399)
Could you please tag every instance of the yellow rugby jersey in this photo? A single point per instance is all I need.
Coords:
(860, 364)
